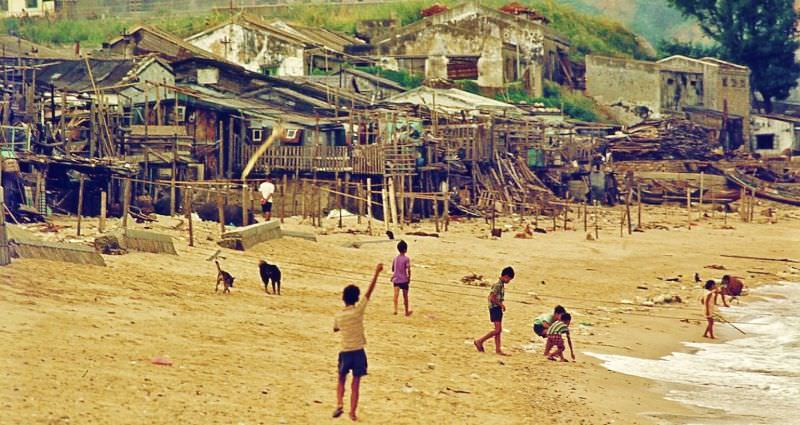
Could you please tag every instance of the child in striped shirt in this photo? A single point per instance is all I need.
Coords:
(554, 339)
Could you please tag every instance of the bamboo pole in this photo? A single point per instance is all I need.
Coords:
(187, 209)
(319, 206)
(752, 204)
(566, 213)
(80, 203)
(246, 204)
(585, 217)
(639, 207)
(126, 202)
(436, 214)
(384, 204)
(446, 206)
(689, 207)
(5, 257)
(369, 205)
(101, 225)
(393, 201)
(220, 213)
(596, 224)
(283, 197)
(700, 208)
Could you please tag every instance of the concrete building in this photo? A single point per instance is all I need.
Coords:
(774, 134)
(254, 45)
(10, 8)
(639, 89)
(275, 47)
(519, 45)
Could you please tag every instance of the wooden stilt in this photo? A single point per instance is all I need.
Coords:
(101, 225)
(220, 213)
(369, 205)
(80, 203)
(126, 202)
(246, 203)
(689, 207)
(187, 209)
(5, 257)
(596, 223)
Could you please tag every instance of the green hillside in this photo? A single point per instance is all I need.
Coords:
(588, 33)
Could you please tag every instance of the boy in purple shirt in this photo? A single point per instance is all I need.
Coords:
(401, 275)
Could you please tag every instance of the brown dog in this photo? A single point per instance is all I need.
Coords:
(224, 278)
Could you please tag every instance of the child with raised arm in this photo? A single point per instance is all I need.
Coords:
(350, 322)
(496, 309)
(554, 339)
(401, 275)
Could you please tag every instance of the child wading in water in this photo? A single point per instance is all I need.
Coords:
(708, 307)
(554, 339)
(401, 275)
(496, 309)
(350, 322)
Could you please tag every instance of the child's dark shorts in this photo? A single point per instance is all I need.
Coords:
(495, 314)
(556, 340)
(538, 329)
(403, 286)
(355, 360)
(266, 207)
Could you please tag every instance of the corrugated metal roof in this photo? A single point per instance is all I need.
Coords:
(450, 100)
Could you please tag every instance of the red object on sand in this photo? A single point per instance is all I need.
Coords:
(161, 361)
(435, 9)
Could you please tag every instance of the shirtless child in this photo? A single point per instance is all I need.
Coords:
(708, 307)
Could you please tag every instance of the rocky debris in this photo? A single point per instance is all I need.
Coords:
(474, 280)
(108, 245)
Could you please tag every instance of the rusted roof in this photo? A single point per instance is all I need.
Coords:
(169, 46)
(73, 76)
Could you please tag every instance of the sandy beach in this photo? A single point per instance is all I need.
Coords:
(77, 342)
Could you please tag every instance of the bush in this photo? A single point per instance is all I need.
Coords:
(574, 104)
(405, 79)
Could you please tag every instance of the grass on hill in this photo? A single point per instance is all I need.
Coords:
(586, 33)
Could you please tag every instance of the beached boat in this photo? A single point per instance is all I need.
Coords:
(788, 193)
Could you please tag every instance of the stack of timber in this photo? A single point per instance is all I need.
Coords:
(25, 245)
(511, 183)
(246, 237)
(664, 139)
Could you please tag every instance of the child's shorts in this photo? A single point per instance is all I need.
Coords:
(402, 285)
(556, 340)
(538, 329)
(495, 314)
(355, 360)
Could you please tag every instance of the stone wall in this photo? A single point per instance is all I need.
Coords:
(629, 87)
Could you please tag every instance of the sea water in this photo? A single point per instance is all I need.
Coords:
(753, 379)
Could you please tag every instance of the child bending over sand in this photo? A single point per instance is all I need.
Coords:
(554, 339)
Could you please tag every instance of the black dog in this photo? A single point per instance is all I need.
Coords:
(270, 272)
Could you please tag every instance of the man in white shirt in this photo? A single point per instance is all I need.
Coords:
(267, 189)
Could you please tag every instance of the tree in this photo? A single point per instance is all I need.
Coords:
(761, 34)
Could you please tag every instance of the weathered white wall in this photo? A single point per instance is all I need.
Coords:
(783, 131)
(252, 49)
(624, 85)
(18, 8)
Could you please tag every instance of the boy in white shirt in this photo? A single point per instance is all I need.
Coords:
(267, 189)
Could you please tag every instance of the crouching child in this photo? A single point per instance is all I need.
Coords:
(555, 343)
